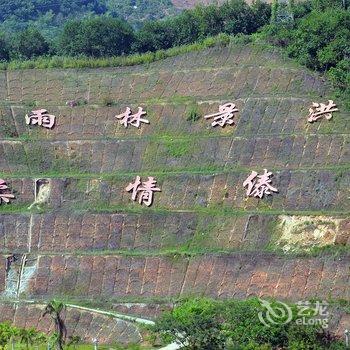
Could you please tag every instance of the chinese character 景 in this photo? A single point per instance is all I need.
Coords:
(144, 190)
(40, 117)
(259, 185)
(127, 118)
(225, 115)
(318, 110)
(5, 196)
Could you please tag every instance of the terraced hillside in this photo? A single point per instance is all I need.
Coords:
(73, 232)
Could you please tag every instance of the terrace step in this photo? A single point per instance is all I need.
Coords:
(84, 324)
(158, 233)
(238, 275)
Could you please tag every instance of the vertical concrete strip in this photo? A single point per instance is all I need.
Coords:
(31, 222)
(23, 262)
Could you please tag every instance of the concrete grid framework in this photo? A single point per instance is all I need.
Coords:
(78, 245)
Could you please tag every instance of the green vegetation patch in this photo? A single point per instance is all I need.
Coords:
(241, 325)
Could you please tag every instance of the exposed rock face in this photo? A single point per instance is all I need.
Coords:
(78, 245)
(304, 233)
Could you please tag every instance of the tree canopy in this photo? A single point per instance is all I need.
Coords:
(96, 37)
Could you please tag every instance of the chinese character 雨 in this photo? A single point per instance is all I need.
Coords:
(318, 110)
(146, 190)
(4, 195)
(132, 119)
(40, 117)
(259, 185)
(225, 115)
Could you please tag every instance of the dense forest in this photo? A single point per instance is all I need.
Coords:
(108, 35)
(49, 16)
(314, 32)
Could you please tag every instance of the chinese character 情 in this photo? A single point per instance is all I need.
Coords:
(132, 119)
(259, 185)
(146, 190)
(40, 117)
(5, 196)
(225, 115)
(318, 110)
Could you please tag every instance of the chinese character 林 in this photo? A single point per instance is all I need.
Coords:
(127, 118)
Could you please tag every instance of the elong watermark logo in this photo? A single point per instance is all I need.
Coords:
(306, 314)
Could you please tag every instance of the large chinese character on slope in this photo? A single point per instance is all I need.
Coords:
(127, 118)
(40, 117)
(225, 115)
(143, 190)
(319, 110)
(5, 196)
(259, 185)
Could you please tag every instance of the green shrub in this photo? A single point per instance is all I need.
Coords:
(24, 336)
(232, 324)
(6, 333)
(116, 61)
(4, 50)
(340, 77)
(96, 37)
(28, 44)
(107, 101)
(193, 113)
(195, 324)
(320, 40)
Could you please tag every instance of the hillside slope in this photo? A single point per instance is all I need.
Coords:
(202, 236)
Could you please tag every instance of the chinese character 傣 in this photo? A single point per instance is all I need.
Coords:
(4, 195)
(144, 190)
(318, 110)
(127, 118)
(40, 117)
(259, 185)
(225, 115)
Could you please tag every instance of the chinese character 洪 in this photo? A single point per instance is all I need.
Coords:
(132, 119)
(225, 115)
(146, 190)
(259, 185)
(318, 110)
(4, 195)
(40, 117)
